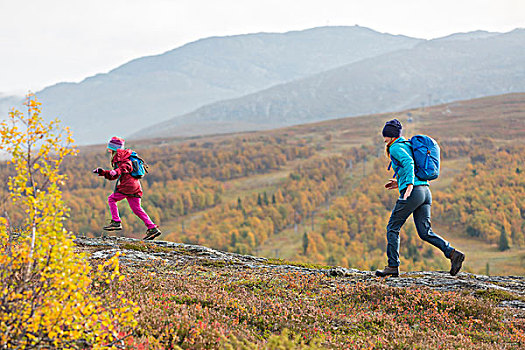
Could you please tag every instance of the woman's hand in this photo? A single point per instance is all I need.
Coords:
(391, 184)
(408, 191)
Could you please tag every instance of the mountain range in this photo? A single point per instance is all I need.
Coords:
(152, 89)
(267, 80)
(432, 72)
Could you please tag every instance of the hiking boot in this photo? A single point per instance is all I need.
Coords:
(456, 260)
(113, 226)
(151, 233)
(388, 271)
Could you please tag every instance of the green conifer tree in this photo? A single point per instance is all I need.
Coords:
(305, 243)
(503, 243)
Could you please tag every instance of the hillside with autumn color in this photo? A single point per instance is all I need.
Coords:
(314, 193)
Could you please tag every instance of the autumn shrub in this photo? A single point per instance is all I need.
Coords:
(47, 297)
(487, 197)
(210, 307)
(284, 341)
(243, 225)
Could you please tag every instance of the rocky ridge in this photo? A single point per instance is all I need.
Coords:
(508, 291)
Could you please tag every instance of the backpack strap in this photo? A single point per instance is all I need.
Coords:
(396, 171)
(396, 165)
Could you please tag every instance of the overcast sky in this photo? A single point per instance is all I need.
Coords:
(43, 42)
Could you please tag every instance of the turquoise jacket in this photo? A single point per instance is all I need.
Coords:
(401, 155)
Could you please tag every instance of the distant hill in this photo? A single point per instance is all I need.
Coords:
(149, 90)
(9, 102)
(458, 67)
(478, 34)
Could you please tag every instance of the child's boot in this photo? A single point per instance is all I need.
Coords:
(151, 233)
(113, 226)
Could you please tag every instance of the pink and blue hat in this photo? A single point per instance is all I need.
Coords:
(116, 143)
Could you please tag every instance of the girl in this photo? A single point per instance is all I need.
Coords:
(415, 198)
(127, 187)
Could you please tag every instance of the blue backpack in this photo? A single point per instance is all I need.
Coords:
(426, 154)
(140, 168)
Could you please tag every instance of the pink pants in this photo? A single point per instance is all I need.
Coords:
(134, 204)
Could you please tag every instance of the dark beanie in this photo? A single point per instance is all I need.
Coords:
(392, 128)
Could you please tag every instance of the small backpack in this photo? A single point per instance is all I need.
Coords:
(140, 168)
(426, 155)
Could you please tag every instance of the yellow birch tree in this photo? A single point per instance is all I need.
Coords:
(47, 293)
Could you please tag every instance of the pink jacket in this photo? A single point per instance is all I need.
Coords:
(122, 168)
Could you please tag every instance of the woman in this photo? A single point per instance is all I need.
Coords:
(415, 198)
(127, 187)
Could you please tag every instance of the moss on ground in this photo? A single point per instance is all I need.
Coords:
(145, 247)
(273, 261)
(497, 295)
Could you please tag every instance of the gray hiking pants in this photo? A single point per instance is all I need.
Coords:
(418, 204)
